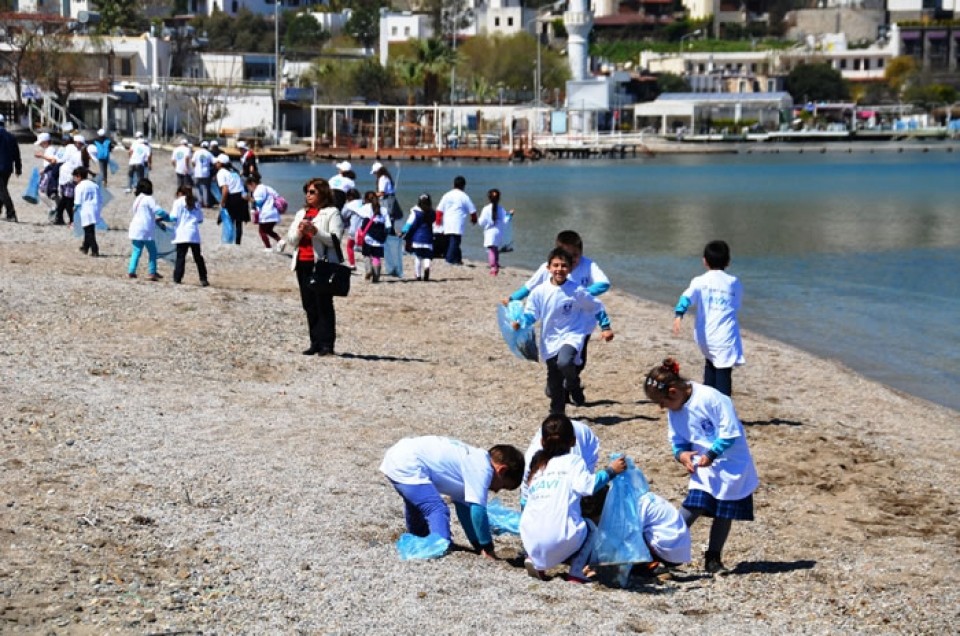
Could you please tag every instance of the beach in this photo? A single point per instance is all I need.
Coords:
(173, 464)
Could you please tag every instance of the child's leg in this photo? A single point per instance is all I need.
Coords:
(492, 258)
(689, 515)
(264, 231)
(719, 532)
(134, 256)
(426, 512)
(418, 267)
(151, 256)
(351, 255)
(581, 558)
(720, 379)
(426, 269)
(558, 397)
(567, 364)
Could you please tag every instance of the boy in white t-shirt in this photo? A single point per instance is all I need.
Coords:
(421, 469)
(717, 297)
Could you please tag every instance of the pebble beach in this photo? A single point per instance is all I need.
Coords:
(172, 464)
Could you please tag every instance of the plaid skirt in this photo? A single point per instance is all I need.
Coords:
(710, 506)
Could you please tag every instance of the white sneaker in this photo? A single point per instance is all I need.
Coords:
(280, 245)
(127, 190)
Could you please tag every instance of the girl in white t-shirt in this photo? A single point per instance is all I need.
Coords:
(709, 441)
(552, 529)
(264, 199)
(143, 223)
(493, 222)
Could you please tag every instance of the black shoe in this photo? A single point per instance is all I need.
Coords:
(84, 249)
(325, 351)
(714, 565)
(12, 219)
(312, 351)
(576, 396)
(204, 283)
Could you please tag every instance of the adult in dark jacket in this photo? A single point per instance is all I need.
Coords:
(9, 163)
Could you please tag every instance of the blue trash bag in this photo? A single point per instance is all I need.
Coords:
(506, 239)
(619, 536)
(393, 257)
(503, 520)
(164, 236)
(228, 231)
(32, 193)
(522, 342)
(78, 229)
(112, 165)
(432, 546)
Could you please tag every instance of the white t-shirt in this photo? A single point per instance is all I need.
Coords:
(587, 447)
(86, 203)
(551, 527)
(139, 153)
(706, 416)
(457, 208)
(455, 469)
(264, 197)
(231, 179)
(181, 159)
(663, 528)
(342, 183)
(71, 159)
(187, 221)
(567, 315)
(717, 296)
(202, 162)
(143, 222)
(492, 230)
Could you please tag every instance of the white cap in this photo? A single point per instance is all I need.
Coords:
(67, 126)
(101, 133)
(41, 138)
(375, 168)
(204, 144)
(241, 144)
(344, 166)
(79, 139)
(214, 142)
(184, 142)
(139, 135)
(222, 158)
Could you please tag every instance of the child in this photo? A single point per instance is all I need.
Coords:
(352, 215)
(566, 313)
(187, 216)
(143, 223)
(374, 236)
(264, 199)
(87, 210)
(587, 446)
(493, 221)
(421, 469)
(717, 296)
(664, 531)
(551, 527)
(584, 272)
(419, 230)
(710, 442)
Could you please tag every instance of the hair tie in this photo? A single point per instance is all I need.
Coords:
(674, 367)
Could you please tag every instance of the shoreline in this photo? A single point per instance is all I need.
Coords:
(173, 463)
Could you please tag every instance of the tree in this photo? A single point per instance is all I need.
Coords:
(364, 23)
(898, 73)
(205, 105)
(816, 82)
(672, 83)
(304, 35)
(120, 14)
(929, 96)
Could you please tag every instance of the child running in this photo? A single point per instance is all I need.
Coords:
(419, 230)
(709, 441)
(187, 215)
(142, 230)
(264, 200)
(552, 529)
(566, 312)
(421, 469)
(717, 296)
(493, 222)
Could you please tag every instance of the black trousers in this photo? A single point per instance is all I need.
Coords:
(90, 239)
(181, 263)
(321, 317)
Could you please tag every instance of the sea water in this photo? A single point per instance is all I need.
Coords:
(853, 257)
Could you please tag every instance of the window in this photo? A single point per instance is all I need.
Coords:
(509, 22)
(406, 31)
(125, 67)
(843, 64)
(496, 22)
(857, 63)
(393, 31)
(880, 62)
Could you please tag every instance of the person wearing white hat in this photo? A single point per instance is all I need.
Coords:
(342, 183)
(202, 160)
(137, 163)
(100, 150)
(180, 160)
(249, 167)
(9, 163)
(231, 195)
(387, 194)
(49, 164)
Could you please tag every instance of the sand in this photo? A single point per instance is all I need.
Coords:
(172, 464)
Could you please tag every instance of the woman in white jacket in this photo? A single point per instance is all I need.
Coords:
(314, 235)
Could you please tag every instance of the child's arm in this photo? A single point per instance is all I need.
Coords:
(603, 478)
(682, 306)
(476, 525)
(600, 282)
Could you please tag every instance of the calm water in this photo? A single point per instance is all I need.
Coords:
(852, 257)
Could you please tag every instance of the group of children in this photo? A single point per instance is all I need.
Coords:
(557, 472)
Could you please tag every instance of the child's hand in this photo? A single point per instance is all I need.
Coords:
(515, 325)
(505, 301)
(676, 325)
(607, 335)
(691, 460)
(618, 465)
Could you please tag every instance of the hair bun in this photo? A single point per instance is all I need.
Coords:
(671, 365)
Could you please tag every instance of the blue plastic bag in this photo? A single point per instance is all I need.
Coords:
(164, 236)
(619, 536)
(32, 193)
(506, 238)
(393, 257)
(503, 520)
(228, 231)
(522, 342)
(432, 546)
(112, 165)
(78, 229)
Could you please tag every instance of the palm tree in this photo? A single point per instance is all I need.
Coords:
(435, 58)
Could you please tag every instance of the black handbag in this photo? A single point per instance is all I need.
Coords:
(331, 278)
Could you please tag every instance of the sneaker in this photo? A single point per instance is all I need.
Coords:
(279, 246)
(127, 190)
(153, 277)
(576, 396)
(533, 571)
(204, 283)
(713, 565)
(132, 275)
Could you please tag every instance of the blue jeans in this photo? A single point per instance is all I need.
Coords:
(204, 196)
(425, 510)
(138, 250)
(454, 255)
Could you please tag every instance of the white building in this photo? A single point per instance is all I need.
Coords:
(260, 7)
(63, 8)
